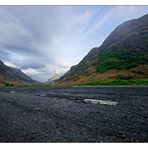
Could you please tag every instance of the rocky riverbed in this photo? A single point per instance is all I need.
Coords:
(74, 114)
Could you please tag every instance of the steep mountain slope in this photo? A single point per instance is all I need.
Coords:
(12, 74)
(124, 54)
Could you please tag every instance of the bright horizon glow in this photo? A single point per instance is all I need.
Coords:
(45, 40)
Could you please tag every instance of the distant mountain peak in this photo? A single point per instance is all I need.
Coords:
(55, 77)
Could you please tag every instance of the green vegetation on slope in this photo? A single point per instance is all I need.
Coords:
(120, 59)
(116, 82)
(6, 83)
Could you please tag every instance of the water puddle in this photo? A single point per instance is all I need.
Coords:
(105, 102)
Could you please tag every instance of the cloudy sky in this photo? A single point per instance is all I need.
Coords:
(44, 40)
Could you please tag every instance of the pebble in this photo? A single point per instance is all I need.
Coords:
(43, 95)
(12, 92)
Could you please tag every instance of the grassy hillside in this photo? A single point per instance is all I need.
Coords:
(116, 82)
(120, 59)
(12, 83)
(129, 76)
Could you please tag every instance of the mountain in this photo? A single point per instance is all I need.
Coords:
(11, 74)
(123, 54)
(55, 77)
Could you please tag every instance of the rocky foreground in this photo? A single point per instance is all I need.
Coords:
(74, 114)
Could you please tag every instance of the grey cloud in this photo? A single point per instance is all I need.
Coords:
(27, 32)
(4, 55)
(31, 64)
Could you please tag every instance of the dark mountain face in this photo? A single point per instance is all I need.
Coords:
(129, 35)
(125, 48)
(12, 74)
